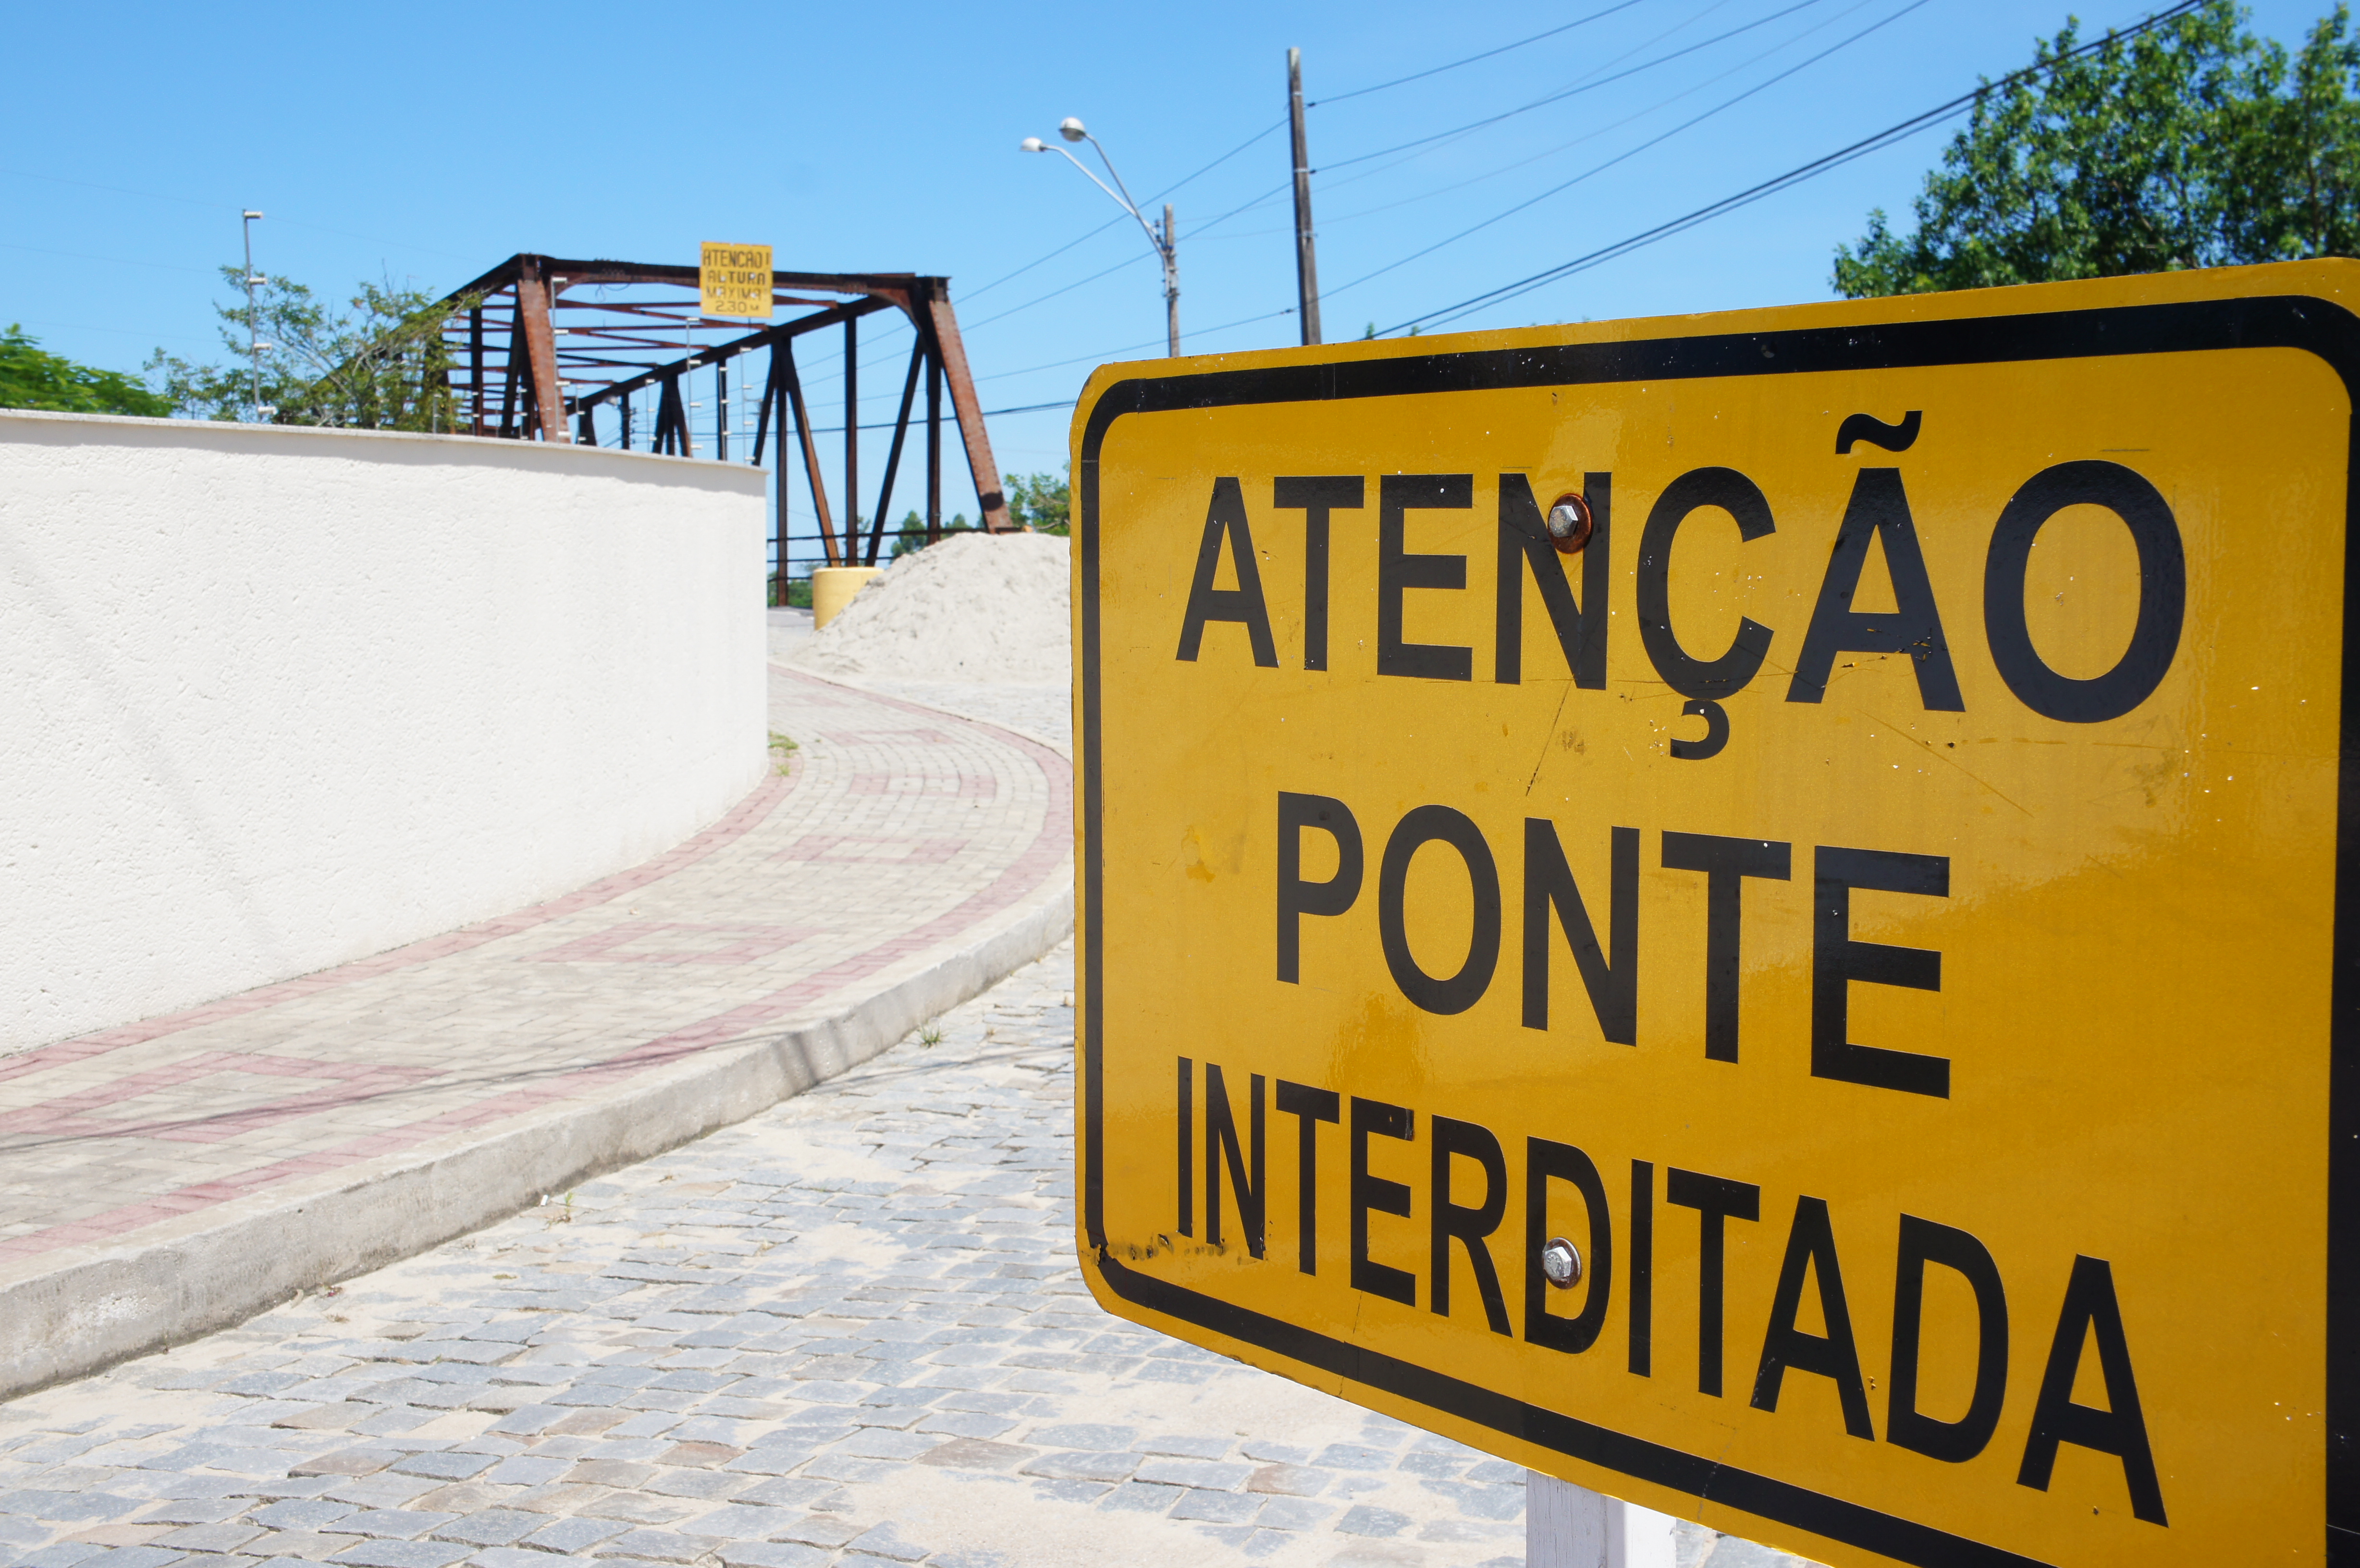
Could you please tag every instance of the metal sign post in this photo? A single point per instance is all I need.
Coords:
(1751, 912)
(1567, 1526)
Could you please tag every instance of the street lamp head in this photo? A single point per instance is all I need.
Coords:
(1073, 130)
(1032, 144)
(251, 214)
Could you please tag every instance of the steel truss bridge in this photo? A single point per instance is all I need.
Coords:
(541, 344)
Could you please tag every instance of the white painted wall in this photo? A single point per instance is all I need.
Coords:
(274, 699)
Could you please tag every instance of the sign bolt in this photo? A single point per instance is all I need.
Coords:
(1568, 523)
(1560, 1263)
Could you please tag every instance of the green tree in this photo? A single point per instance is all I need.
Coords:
(379, 363)
(31, 378)
(1038, 501)
(2194, 144)
(911, 535)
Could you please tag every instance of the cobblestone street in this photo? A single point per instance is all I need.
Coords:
(849, 1331)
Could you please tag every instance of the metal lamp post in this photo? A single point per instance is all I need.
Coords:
(1166, 250)
(254, 343)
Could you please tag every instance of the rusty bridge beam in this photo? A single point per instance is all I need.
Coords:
(766, 337)
(942, 324)
(784, 359)
(541, 347)
(535, 371)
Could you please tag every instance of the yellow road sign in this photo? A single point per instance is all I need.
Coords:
(1879, 902)
(735, 280)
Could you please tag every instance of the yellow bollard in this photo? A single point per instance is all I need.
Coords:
(833, 588)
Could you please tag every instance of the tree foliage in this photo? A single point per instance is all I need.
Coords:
(378, 363)
(2194, 144)
(1038, 501)
(1034, 500)
(911, 535)
(32, 377)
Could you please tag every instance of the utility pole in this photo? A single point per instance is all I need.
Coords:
(253, 324)
(1307, 262)
(1171, 249)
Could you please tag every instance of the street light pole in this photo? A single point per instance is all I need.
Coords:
(253, 323)
(1073, 130)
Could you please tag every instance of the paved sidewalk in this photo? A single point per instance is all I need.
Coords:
(849, 1331)
(1041, 709)
(896, 836)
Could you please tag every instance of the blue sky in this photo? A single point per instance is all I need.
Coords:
(428, 142)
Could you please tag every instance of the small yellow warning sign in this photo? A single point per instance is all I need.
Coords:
(735, 280)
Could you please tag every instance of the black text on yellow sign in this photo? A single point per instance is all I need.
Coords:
(1877, 900)
(735, 280)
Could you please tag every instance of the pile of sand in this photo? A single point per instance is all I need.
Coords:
(974, 607)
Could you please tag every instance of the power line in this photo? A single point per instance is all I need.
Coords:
(1372, 167)
(1101, 354)
(1283, 186)
(194, 201)
(1095, 356)
(1255, 201)
(1079, 282)
(1487, 54)
(1132, 261)
(110, 260)
(1007, 276)
(150, 333)
(116, 190)
(1278, 124)
(1453, 138)
(987, 413)
(1779, 182)
(1045, 298)
(1587, 136)
(1634, 152)
(1258, 135)
(1053, 293)
(823, 378)
(1249, 204)
(1110, 223)
(1566, 93)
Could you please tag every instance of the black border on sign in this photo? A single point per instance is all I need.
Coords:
(2316, 326)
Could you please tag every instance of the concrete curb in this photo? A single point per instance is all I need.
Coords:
(91, 1307)
(863, 686)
